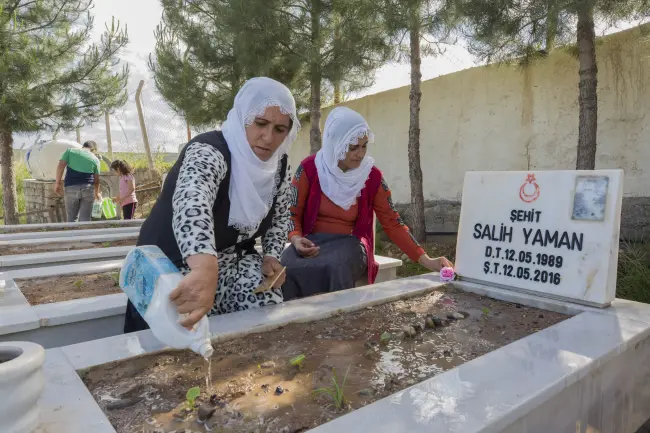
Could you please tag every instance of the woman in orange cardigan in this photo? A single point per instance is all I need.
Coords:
(335, 194)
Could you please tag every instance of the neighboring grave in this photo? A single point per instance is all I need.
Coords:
(554, 233)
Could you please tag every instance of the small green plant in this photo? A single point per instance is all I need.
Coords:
(191, 396)
(385, 338)
(485, 311)
(106, 244)
(335, 391)
(297, 361)
(115, 276)
(78, 284)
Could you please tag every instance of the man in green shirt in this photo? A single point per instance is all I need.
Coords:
(81, 181)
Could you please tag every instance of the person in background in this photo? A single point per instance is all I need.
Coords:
(335, 194)
(227, 189)
(126, 198)
(81, 181)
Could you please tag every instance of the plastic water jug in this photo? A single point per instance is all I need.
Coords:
(108, 209)
(148, 277)
(97, 209)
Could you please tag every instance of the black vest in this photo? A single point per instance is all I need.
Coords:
(157, 228)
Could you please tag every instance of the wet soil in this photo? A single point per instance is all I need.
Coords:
(255, 388)
(66, 288)
(61, 246)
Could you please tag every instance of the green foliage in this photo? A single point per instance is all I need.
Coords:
(115, 276)
(634, 272)
(139, 161)
(21, 173)
(206, 49)
(523, 31)
(335, 391)
(192, 395)
(51, 76)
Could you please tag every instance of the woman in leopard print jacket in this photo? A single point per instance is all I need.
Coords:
(227, 189)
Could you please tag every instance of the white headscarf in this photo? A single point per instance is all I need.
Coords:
(252, 181)
(343, 128)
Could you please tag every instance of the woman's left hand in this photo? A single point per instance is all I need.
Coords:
(436, 264)
(270, 267)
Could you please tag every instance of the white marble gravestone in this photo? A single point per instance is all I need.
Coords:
(554, 233)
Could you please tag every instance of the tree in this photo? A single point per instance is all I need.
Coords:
(50, 76)
(427, 33)
(523, 30)
(206, 49)
(341, 43)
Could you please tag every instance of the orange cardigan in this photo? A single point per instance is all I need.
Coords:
(334, 219)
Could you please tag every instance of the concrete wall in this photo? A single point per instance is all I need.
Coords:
(506, 118)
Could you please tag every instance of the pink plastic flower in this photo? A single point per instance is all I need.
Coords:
(447, 274)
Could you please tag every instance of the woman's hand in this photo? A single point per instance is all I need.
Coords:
(304, 246)
(196, 291)
(116, 200)
(435, 264)
(270, 267)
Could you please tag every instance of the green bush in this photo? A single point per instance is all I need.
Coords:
(21, 173)
(633, 280)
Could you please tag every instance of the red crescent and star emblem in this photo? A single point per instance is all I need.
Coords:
(529, 191)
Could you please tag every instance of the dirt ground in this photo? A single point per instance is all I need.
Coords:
(254, 387)
(65, 288)
(61, 246)
(107, 225)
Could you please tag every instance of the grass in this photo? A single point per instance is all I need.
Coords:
(336, 390)
(139, 161)
(633, 279)
(21, 173)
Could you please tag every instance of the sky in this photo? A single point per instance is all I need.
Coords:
(165, 129)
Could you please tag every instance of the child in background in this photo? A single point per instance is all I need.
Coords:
(126, 199)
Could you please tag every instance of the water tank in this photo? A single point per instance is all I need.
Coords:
(43, 158)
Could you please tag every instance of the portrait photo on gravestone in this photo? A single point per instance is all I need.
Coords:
(551, 233)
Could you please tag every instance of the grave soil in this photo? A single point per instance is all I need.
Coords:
(61, 246)
(69, 287)
(108, 225)
(147, 394)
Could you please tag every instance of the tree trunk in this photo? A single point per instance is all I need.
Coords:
(337, 93)
(315, 78)
(552, 17)
(588, 98)
(10, 202)
(415, 173)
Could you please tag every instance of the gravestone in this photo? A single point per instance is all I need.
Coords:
(551, 233)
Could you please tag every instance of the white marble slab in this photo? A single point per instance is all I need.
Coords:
(82, 224)
(554, 233)
(74, 269)
(80, 310)
(62, 256)
(107, 237)
(16, 314)
(66, 406)
(489, 393)
(67, 233)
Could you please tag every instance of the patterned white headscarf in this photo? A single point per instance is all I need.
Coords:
(253, 181)
(343, 128)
